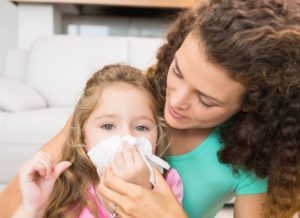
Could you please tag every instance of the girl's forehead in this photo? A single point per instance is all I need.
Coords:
(126, 93)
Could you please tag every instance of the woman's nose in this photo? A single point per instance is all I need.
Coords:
(179, 99)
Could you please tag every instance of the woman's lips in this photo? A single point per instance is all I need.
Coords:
(174, 114)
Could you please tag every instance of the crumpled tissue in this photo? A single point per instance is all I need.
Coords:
(103, 153)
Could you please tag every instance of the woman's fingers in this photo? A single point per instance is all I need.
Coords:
(121, 213)
(110, 195)
(118, 184)
(160, 183)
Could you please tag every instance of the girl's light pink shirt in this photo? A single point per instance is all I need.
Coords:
(172, 178)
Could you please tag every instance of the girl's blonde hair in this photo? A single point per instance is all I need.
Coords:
(70, 194)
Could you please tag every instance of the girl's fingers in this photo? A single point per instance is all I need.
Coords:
(47, 159)
(119, 161)
(39, 168)
(47, 167)
(137, 156)
(127, 154)
(60, 168)
(31, 171)
(44, 159)
(46, 155)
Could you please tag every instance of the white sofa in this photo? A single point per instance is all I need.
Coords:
(39, 88)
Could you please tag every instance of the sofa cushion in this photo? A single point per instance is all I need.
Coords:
(59, 66)
(22, 133)
(15, 96)
(15, 64)
(142, 51)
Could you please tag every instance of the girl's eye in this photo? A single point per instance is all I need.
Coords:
(108, 126)
(141, 128)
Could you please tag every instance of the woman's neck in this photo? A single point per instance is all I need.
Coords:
(184, 141)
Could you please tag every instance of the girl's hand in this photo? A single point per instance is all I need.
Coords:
(129, 165)
(37, 178)
(132, 200)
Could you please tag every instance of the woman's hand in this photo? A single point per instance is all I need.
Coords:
(37, 178)
(129, 165)
(135, 201)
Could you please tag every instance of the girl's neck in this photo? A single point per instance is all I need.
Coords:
(184, 141)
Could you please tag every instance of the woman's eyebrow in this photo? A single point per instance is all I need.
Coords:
(197, 91)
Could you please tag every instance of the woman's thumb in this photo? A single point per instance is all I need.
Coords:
(61, 167)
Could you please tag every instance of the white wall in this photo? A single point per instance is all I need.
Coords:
(8, 28)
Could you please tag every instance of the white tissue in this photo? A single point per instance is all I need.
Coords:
(103, 153)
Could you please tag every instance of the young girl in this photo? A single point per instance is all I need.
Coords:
(117, 100)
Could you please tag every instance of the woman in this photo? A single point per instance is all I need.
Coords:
(229, 78)
(230, 68)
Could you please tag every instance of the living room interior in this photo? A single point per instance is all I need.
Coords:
(49, 48)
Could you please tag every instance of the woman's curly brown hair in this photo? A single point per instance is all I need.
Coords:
(258, 43)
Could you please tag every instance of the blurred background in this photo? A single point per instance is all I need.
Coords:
(48, 48)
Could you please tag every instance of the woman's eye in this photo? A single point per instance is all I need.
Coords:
(173, 70)
(108, 126)
(205, 104)
(141, 128)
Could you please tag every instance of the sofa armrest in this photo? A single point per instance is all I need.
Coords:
(15, 97)
(15, 64)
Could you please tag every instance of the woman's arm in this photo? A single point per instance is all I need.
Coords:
(248, 206)
(135, 201)
(10, 197)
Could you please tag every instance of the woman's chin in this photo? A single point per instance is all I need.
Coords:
(175, 124)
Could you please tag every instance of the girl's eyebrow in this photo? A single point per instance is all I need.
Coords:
(106, 116)
(145, 118)
(197, 91)
(138, 117)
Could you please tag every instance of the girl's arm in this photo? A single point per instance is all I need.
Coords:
(10, 197)
(248, 206)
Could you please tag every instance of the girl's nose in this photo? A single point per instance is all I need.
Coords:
(126, 131)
